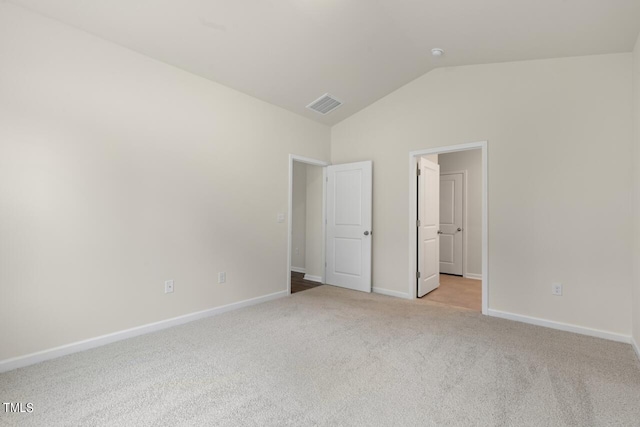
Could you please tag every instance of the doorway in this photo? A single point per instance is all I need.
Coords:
(448, 243)
(306, 224)
(345, 240)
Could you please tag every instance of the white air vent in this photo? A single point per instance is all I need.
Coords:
(325, 104)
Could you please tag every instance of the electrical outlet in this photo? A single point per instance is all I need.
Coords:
(168, 286)
(280, 217)
(556, 289)
(297, 251)
(222, 277)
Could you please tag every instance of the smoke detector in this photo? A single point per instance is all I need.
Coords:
(325, 104)
(436, 51)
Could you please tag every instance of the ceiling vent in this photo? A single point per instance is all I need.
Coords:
(325, 104)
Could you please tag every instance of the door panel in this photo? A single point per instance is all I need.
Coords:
(348, 187)
(447, 195)
(349, 196)
(446, 248)
(451, 208)
(430, 251)
(348, 258)
(428, 215)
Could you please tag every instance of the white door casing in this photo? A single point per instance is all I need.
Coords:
(429, 221)
(349, 221)
(451, 223)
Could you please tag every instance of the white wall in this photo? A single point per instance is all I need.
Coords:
(314, 266)
(470, 161)
(299, 216)
(559, 137)
(118, 172)
(636, 217)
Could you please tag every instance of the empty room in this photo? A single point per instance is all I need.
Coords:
(247, 212)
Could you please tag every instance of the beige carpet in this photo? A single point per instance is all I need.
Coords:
(329, 357)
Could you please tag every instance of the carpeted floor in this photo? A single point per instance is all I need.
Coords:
(329, 357)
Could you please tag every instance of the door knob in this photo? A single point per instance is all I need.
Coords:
(366, 233)
(439, 232)
(459, 229)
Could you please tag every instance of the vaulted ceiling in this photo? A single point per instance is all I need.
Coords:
(290, 52)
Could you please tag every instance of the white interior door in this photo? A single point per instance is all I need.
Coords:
(349, 233)
(451, 208)
(429, 221)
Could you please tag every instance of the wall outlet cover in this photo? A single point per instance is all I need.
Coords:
(168, 286)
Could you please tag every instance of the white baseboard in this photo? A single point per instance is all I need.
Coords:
(41, 356)
(298, 269)
(635, 347)
(391, 293)
(561, 326)
(312, 278)
(473, 276)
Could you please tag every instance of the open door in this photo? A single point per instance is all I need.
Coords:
(428, 226)
(349, 233)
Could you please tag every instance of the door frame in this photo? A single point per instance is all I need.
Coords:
(413, 216)
(323, 165)
(464, 217)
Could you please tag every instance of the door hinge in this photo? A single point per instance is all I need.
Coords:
(417, 274)
(418, 172)
(418, 223)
